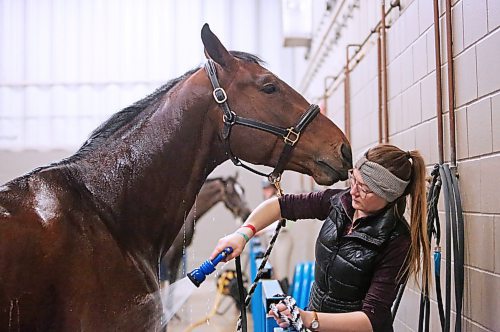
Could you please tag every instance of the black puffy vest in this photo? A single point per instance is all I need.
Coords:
(345, 262)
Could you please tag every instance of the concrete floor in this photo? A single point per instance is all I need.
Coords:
(199, 305)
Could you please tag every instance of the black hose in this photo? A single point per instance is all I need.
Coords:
(242, 295)
(447, 298)
(432, 200)
(458, 233)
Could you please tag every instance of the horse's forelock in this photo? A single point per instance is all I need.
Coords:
(247, 57)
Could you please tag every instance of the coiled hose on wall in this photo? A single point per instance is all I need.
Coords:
(443, 177)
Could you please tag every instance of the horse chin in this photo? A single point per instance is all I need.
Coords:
(327, 174)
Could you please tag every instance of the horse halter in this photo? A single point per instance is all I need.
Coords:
(289, 135)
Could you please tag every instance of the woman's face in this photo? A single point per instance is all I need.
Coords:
(363, 199)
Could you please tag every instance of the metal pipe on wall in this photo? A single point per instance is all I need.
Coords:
(379, 87)
(374, 30)
(325, 91)
(451, 84)
(439, 96)
(383, 68)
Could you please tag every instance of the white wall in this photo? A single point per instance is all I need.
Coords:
(65, 66)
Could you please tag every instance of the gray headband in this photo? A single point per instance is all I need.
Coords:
(380, 180)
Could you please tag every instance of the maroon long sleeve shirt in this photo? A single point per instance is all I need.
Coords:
(383, 289)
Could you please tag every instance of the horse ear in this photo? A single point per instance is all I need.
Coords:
(214, 48)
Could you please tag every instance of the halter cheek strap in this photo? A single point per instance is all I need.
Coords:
(289, 135)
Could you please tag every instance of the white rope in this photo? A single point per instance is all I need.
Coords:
(295, 319)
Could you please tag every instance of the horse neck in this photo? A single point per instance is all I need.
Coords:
(145, 177)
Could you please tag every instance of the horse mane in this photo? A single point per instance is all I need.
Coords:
(128, 114)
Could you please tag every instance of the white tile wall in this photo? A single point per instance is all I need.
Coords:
(493, 14)
(470, 178)
(491, 302)
(425, 15)
(395, 114)
(409, 25)
(465, 77)
(480, 236)
(490, 182)
(420, 58)
(411, 106)
(495, 122)
(394, 80)
(496, 226)
(479, 127)
(488, 73)
(394, 36)
(461, 129)
(428, 96)
(431, 54)
(458, 28)
(407, 79)
(475, 21)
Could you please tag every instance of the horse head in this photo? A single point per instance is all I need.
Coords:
(234, 198)
(255, 93)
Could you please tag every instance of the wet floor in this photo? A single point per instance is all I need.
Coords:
(201, 304)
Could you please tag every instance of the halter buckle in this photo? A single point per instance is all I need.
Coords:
(224, 95)
(291, 137)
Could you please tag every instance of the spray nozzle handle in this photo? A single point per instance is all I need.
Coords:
(222, 255)
(198, 275)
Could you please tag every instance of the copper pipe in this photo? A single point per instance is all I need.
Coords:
(325, 91)
(347, 99)
(439, 96)
(379, 79)
(383, 42)
(451, 84)
(347, 94)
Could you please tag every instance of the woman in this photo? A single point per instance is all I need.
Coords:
(365, 248)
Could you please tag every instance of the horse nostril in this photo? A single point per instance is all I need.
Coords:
(345, 150)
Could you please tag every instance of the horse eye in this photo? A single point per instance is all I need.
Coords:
(269, 88)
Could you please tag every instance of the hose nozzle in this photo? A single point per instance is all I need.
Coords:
(197, 276)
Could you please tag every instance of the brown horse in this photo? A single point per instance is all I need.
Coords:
(81, 239)
(213, 191)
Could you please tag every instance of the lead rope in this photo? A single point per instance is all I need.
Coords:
(295, 319)
(241, 324)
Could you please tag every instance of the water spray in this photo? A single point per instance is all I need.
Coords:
(178, 293)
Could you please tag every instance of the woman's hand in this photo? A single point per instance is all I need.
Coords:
(306, 316)
(235, 241)
(283, 310)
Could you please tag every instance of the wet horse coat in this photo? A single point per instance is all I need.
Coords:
(80, 240)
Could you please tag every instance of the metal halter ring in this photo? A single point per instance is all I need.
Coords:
(224, 95)
(229, 118)
(295, 137)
